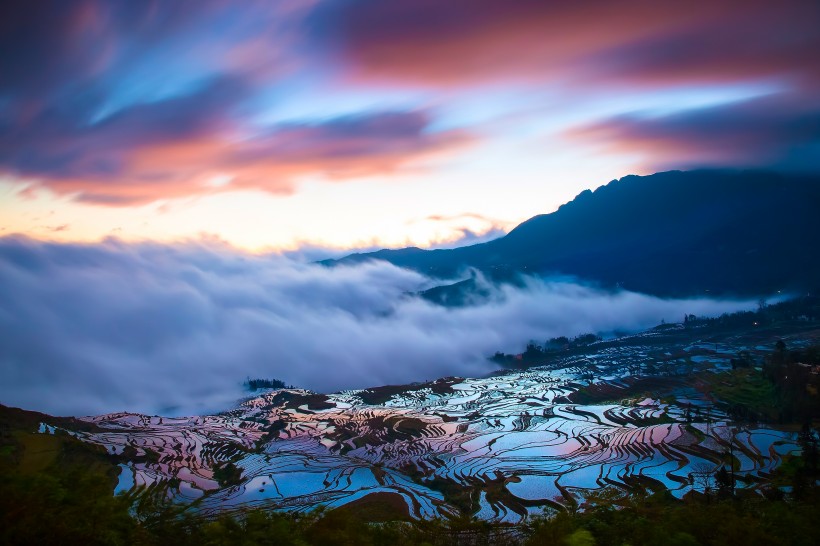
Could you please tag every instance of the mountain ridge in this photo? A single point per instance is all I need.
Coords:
(680, 233)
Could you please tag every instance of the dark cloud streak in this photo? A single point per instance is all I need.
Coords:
(773, 131)
(469, 41)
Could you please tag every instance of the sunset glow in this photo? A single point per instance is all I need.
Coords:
(342, 124)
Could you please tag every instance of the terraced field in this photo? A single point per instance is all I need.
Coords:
(625, 415)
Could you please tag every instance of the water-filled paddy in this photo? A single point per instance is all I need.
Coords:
(537, 435)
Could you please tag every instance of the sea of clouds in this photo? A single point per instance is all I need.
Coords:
(176, 329)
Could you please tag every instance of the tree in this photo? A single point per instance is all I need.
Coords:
(702, 478)
(724, 482)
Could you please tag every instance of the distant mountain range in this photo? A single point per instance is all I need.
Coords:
(674, 233)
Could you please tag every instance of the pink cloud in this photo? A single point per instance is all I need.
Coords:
(143, 164)
(462, 42)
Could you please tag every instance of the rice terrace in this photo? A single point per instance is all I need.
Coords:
(675, 408)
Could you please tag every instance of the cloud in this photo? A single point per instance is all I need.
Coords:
(610, 48)
(467, 228)
(182, 146)
(467, 41)
(175, 329)
(466, 236)
(454, 230)
(463, 216)
(773, 131)
(120, 102)
(89, 54)
(134, 102)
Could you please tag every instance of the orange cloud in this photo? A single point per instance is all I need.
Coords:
(142, 170)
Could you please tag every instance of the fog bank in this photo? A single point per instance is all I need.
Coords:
(175, 329)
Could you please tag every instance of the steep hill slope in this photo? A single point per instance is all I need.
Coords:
(671, 233)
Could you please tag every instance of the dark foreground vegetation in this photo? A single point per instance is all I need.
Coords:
(55, 489)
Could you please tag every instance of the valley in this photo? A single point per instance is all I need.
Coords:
(648, 412)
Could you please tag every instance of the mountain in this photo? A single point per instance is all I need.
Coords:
(672, 233)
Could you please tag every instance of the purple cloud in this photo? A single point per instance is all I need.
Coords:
(770, 131)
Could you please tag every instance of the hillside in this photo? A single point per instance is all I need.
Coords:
(659, 430)
(655, 412)
(672, 233)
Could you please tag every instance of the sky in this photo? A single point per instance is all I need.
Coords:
(169, 171)
(315, 126)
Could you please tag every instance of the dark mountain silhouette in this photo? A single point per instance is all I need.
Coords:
(673, 233)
